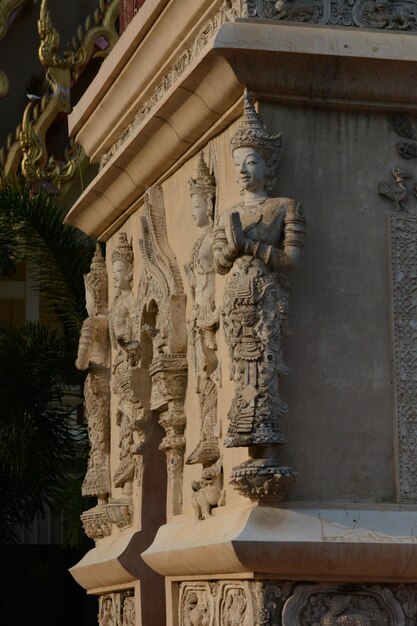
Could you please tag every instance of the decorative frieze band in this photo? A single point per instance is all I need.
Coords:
(404, 290)
(268, 603)
(378, 14)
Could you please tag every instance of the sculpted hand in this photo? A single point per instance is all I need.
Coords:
(234, 232)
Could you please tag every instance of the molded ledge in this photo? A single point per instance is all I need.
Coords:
(304, 544)
(186, 112)
(318, 65)
(313, 65)
(113, 562)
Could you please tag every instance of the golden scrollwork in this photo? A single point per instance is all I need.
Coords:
(36, 166)
(94, 38)
(26, 149)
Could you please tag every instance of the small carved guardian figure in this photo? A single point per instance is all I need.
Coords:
(128, 611)
(204, 319)
(196, 610)
(256, 243)
(107, 612)
(208, 492)
(125, 368)
(93, 354)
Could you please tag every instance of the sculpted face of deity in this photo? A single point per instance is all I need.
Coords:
(199, 210)
(120, 275)
(251, 171)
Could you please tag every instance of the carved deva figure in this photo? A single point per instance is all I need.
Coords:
(204, 319)
(255, 244)
(126, 364)
(93, 354)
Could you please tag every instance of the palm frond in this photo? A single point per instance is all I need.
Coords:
(31, 225)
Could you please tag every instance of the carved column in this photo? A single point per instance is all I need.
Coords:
(404, 292)
(169, 383)
(161, 297)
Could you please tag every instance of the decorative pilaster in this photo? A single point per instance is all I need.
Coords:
(404, 293)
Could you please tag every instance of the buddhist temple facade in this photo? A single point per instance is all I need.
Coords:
(250, 346)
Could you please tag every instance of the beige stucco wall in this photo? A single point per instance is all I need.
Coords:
(341, 420)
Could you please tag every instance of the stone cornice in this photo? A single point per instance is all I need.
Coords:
(298, 544)
(129, 78)
(314, 65)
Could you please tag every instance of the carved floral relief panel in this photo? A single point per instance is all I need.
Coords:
(352, 605)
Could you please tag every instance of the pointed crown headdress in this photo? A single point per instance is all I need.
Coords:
(96, 280)
(252, 133)
(124, 254)
(205, 183)
(123, 251)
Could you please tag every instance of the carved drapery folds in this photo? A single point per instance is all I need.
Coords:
(255, 244)
(202, 326)
(161, 305)
(125, 369)
(93, 354)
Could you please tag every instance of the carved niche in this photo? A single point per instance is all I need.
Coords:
(161, 305)
(231, 603)
(256, 243)
(335, 606)
(235, 605)
(196, 604)
(94, 355)
(202, 326)
(117, 609)
(131, 412)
